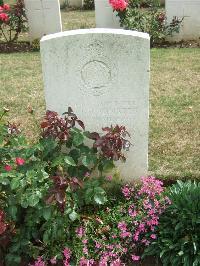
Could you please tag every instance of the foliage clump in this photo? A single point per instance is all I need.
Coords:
(145, 16)
(13, 21)
(178, 241)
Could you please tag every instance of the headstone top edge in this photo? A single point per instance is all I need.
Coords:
(96, 31)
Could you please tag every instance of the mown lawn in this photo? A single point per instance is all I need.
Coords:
(174, 141)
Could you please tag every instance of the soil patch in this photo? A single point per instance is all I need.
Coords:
(17, 47)
(181, 44)
(27, 47)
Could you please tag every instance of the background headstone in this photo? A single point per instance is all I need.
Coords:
(76, 3)
(43, 17)
(104, 15)
(103, 74)
(190, 10)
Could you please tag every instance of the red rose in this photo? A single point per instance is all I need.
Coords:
(19, 161)
(6, 7)
(4, 17)
(8, 168)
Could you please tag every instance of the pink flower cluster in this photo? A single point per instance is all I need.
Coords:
(118, 5)
(137, 228)
(151, 187)
(3, 15)
(66, 262)
(38, 262)
(132, 225)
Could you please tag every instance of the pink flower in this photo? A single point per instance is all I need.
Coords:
(6, 7)
(8, 168)
(127, 191)
(109, 178)
(86, 262)
(132, 212)
(116, 263)
(53, 260)
(151, 187)
(85, 250)
(135, 258)
(19, 161)
(1, 9)
(119, 5)
(39, 262)
(87, 174)
(67, 253)
(125, 234)
(122, 226)
(85, 241)
(153, 236)
(80, 231)
(97, 245)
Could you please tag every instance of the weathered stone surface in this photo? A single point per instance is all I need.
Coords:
(103, 75)
(75, 3)
(104, 15)
(190, 10)
(43, 17)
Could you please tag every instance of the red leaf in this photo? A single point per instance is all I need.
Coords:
(81, 124)
(94, 136)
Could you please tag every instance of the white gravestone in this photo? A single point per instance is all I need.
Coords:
(190, 10)
(76, 3)
(43, 17)
(103, 74)
(104, 15)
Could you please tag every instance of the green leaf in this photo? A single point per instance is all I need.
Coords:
(69, 160)
(89, 194)
(12, 210)
(33, 199)
(4, 181)
(46, 236)
(73, 216)
(89, 159)
(15, 183)
(58, 161)
(181, 253)
(78, 139)
(108, 165)
(75, 154)
(86, 161)
(46, 213)
(99, 190)
(100, 199)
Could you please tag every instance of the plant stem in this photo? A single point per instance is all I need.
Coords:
(3, 34)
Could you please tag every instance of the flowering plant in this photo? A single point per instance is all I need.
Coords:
(12, 21)
(119, 5)
(45, 187)
(118, 234)
(178, 241)
(145, 16)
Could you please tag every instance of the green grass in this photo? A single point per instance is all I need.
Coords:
(174, 141)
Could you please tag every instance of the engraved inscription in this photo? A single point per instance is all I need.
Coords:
(96, 75)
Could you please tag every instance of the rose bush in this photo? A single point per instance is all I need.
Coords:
(145, 16)
(12, 21)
